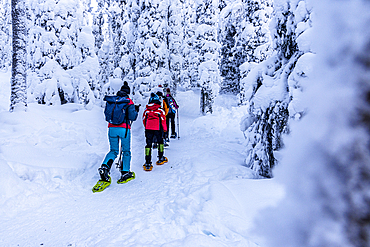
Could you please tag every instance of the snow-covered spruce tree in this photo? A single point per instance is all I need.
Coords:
(103, 16)
(257, 39)
(190, 57)
(54, 28)
(124, 43)
(326, 160)
(273, 87)
(18, 93)
(128, 62)
(103, 44)
(253, 40)
(59, 41)
(5, 34)
(151, 54)
(98, 23)
(175, 38)
(140, 16)
(231, 19)
(207, 47)
(104, 63)
(119, 19)
(113, 50)
(222, 4)
(114, 84)
(85, 76)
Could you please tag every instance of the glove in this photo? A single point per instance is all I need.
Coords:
(137, 107)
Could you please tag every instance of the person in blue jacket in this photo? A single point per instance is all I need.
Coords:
(123, 132)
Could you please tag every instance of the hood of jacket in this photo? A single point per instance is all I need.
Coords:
(152, 106)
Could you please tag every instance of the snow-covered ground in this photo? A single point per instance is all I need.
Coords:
(204, 196)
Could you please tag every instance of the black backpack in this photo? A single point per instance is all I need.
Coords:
(115, 109)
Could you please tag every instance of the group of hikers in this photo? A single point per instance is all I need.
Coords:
(158, 119)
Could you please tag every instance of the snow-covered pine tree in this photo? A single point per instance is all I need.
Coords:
(114, 84)
(125, 42)
(273, 86)
(59, 41)
(104, 18)
(88, 61)
(5, 34)
(222, 4)
(326, 160)
(257, 39)
(18, 94)
(119, 20)
(175, 38)
(85, 76)
(207, 47)
(231, 19)
(151, 53)
(98, 25)
(253, 41)
(54, 28)
(103, 56)
(128, 62)
(160, 32)
(143, 47)
(190, 62)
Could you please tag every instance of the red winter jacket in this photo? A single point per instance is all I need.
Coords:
(154, 117)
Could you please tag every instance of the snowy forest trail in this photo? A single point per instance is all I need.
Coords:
(203, 196)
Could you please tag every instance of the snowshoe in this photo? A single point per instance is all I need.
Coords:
(173, 136)
(147, 167)
(125, 177)
(101, 185)
(166, 144)
(162, 160)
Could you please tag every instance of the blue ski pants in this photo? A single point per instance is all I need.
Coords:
(114, 134)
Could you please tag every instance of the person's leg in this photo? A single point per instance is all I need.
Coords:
(173, 130)
(111, 155)
(149, 134)
(114, 148)
(159, 137)
(168, 126)
(161, 158)
(126, 149)
(126, 174)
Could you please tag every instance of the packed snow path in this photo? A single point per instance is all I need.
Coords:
(203, 196)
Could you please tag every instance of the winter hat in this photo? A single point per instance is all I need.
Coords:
(160, 94)
(125, 88)
(154, 99)
(168, 90)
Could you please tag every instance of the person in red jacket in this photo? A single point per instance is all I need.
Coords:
(154, 120)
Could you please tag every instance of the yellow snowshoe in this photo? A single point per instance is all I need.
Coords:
(101, 185)
(148, 167)
(162, 160)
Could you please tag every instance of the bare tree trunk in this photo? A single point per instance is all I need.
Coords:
(18, 96)
(206, 100)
